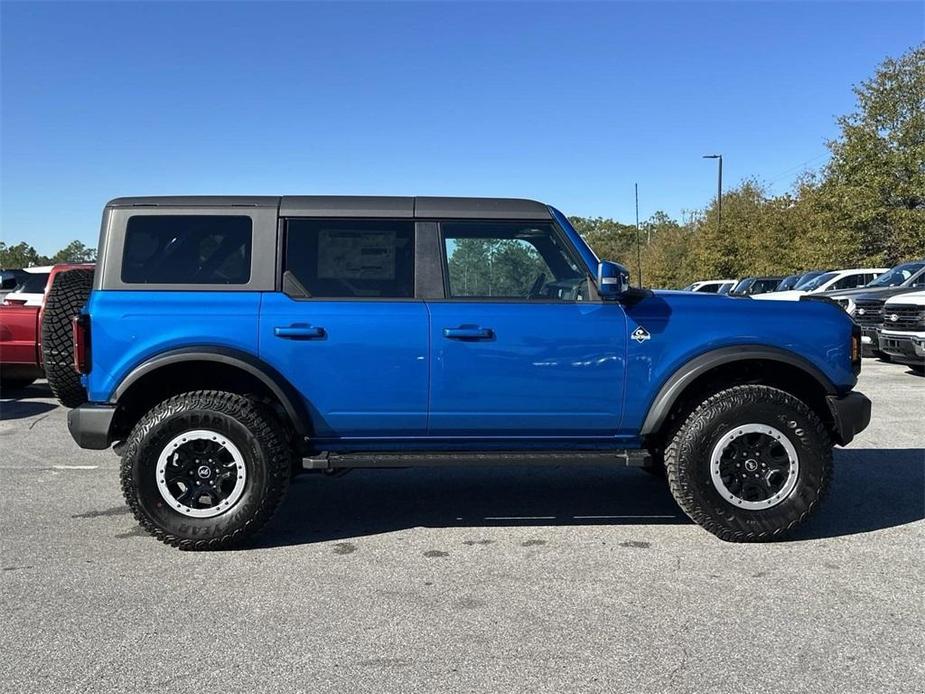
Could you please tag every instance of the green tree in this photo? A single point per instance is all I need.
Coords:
(610, 239)
(75, 252)
(872, 195)
(666, 261)
(20, 255)
(494, 267)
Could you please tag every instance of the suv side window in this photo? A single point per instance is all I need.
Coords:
(187, 249)
(850, 282)
(351, 258)
(510, 260)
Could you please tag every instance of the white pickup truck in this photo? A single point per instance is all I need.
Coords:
(903, 333)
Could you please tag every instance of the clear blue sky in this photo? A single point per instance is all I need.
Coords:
(565, 102)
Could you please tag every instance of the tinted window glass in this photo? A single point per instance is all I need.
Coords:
(850, 282)
(352, 259)
(817, 282)
(764, 286)
(513, 260)
(809, 277)
(896, 276)
(33, 283)
(742, 286)
(187, 249)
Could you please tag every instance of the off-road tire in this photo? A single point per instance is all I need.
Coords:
(687, 460)
(256, 432)
(67, 296)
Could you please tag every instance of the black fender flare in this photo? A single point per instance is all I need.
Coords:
(281, 388)
(688, 372)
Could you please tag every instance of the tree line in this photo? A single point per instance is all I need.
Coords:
(23, 254)
(866, 207)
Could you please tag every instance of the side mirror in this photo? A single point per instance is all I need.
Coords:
(613, 279)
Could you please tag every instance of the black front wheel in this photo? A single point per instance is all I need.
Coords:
(205, 469)
(750, 463)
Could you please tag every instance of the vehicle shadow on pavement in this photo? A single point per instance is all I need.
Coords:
(16, 403)
(873, 489)
(369, 502)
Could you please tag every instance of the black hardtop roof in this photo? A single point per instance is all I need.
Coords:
(357, 205)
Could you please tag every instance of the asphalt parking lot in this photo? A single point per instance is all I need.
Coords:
(424, 580)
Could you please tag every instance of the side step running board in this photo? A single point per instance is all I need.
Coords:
(335, 461)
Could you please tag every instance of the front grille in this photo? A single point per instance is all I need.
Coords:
(868, 313)
(904, 317)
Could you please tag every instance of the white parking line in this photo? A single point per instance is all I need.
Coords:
(46, 467)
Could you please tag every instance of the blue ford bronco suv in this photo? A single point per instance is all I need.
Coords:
(224, 343)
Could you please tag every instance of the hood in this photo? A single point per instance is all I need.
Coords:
(680, 325)
(857, 291)
(917, 297)
(878, 293)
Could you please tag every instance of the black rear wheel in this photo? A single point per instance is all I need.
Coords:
(66, 298)
(205, 469)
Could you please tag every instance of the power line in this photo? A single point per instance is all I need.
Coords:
(786, 173)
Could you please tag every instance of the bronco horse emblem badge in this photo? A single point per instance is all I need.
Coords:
(640, 334)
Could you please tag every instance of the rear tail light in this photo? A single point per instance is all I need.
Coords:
(856, 348)
(81, 332)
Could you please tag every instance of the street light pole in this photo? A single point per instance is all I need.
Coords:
(719, 191)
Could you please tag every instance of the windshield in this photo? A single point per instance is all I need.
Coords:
(787, 283)
(917, 280)
(896, 276)
(807, 278)
(817, 282)
(742, 286)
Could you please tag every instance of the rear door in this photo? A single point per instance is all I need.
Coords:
(346, 328)
(519, 348)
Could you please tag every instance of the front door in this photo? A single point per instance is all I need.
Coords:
(346, 330)
(518, 347)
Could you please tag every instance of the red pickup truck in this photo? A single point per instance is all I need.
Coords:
(21, 337)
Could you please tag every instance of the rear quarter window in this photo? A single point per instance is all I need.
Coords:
(187, 249)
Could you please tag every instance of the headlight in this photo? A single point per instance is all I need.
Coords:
(847, 304)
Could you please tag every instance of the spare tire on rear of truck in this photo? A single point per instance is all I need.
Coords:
(65, 299)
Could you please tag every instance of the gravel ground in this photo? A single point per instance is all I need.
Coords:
(426, 580)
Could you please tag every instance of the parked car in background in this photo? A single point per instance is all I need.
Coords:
(903, 333)
(795, 281)
(21, 331)
(710, 286)
(837, 279)
(31, 288)
(897, 277)
(755, 285)
(865, 305)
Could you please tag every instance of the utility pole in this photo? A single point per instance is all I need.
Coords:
(638, 251)
(719, 191)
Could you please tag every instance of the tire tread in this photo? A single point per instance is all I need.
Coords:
(679, 442)
(262, 424)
